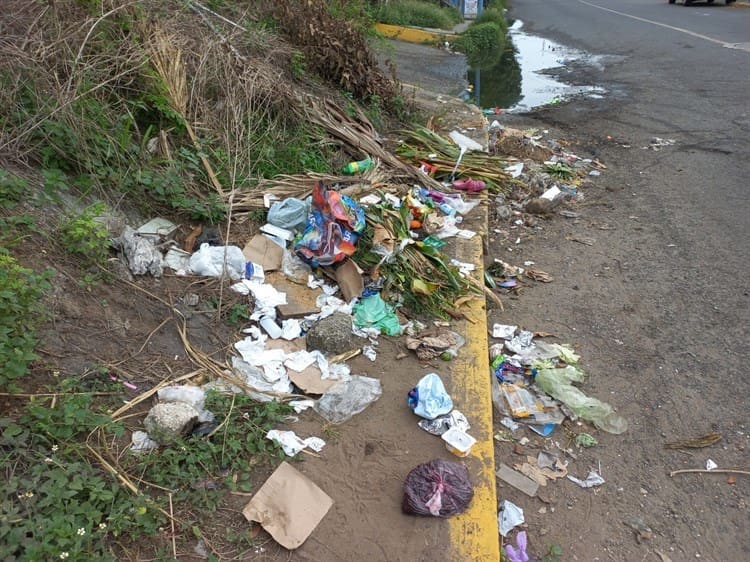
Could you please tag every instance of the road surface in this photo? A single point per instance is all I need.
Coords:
(659, 306)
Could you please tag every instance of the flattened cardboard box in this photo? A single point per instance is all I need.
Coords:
(289, 506)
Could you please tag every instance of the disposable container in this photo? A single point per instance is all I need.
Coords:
(458, 442)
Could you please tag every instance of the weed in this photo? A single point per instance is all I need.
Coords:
(238, 314)
(12, 189)
(21, 311)
(553, 554)
(331, 432)
(298, 65)
(85, 236)
(58, 504)
(559, 171)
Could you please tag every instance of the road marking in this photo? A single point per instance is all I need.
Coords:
(672, 27)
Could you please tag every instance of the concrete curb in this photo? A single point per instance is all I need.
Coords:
(414, 34)
(474, 533)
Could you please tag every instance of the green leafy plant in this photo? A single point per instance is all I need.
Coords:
(238, 314)
(298, 65)
(12, 189)
(554, 553)
(559, 171)
(87, 237)
(21, 311)
(55, 505)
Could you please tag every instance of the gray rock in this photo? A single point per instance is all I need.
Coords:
(541, 206)
(333, 335)
(166, 422)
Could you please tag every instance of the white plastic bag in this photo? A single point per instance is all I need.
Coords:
(210, 261)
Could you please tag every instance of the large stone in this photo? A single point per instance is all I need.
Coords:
(166, 422)
(333, 335)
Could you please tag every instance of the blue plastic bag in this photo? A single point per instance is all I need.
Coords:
(429, 399)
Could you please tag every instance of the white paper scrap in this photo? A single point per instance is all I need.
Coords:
(510, 516)
(503, 331)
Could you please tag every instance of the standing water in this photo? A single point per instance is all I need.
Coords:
(517, 84)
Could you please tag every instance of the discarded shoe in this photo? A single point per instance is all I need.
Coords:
(470, 185)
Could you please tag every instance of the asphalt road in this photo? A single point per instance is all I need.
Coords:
(660, 304)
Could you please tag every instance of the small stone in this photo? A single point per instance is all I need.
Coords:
(333, 335)
(540, 206)
(166, 422)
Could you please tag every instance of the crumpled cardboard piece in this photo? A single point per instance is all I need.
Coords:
(288, 506)
(263, 251)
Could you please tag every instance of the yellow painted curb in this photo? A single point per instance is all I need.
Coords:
(412, 34)
(474, 534)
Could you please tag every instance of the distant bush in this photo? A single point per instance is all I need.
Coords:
(418, 13)
(484, 41)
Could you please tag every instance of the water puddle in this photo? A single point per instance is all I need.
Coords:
(522, 81)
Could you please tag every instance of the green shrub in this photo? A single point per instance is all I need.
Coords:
(12, 189)
(21, 310)
(482, 43)
(86, 236)
(418, 13)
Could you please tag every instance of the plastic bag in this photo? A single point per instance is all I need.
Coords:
(290, 213)
(348, 398)
(333, 227)
(294, 267)
(557, 383)
(439, 488)
(209, 261)
(429, 399)
(374, 312)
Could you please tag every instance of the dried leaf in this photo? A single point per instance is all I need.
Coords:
(695, 442)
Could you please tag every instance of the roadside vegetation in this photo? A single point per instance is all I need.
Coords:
(111, 109)
(485, 40)
(419, 13)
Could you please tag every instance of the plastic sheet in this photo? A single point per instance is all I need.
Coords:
(374, 312)
(429, 399)
(291, 214)
(333, 227)
(210, 261)
(348, 398)
(439, 488)
(558, 384)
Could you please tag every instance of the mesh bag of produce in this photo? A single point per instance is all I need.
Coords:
(439, 488)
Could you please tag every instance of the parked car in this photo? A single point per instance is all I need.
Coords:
(689, 2)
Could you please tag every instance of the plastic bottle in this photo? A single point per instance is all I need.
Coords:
(271, 327)
(354, 167)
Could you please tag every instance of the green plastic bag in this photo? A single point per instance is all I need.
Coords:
(373, 312)
(558, 384)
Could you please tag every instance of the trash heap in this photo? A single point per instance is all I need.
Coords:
(357, 257)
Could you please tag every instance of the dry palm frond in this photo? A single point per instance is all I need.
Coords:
(166, 58)
(359, 136)
(300, 186)
(424, 145)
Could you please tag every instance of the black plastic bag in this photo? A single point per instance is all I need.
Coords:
(439, 488)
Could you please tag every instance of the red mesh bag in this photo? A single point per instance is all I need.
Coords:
(439, 488)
